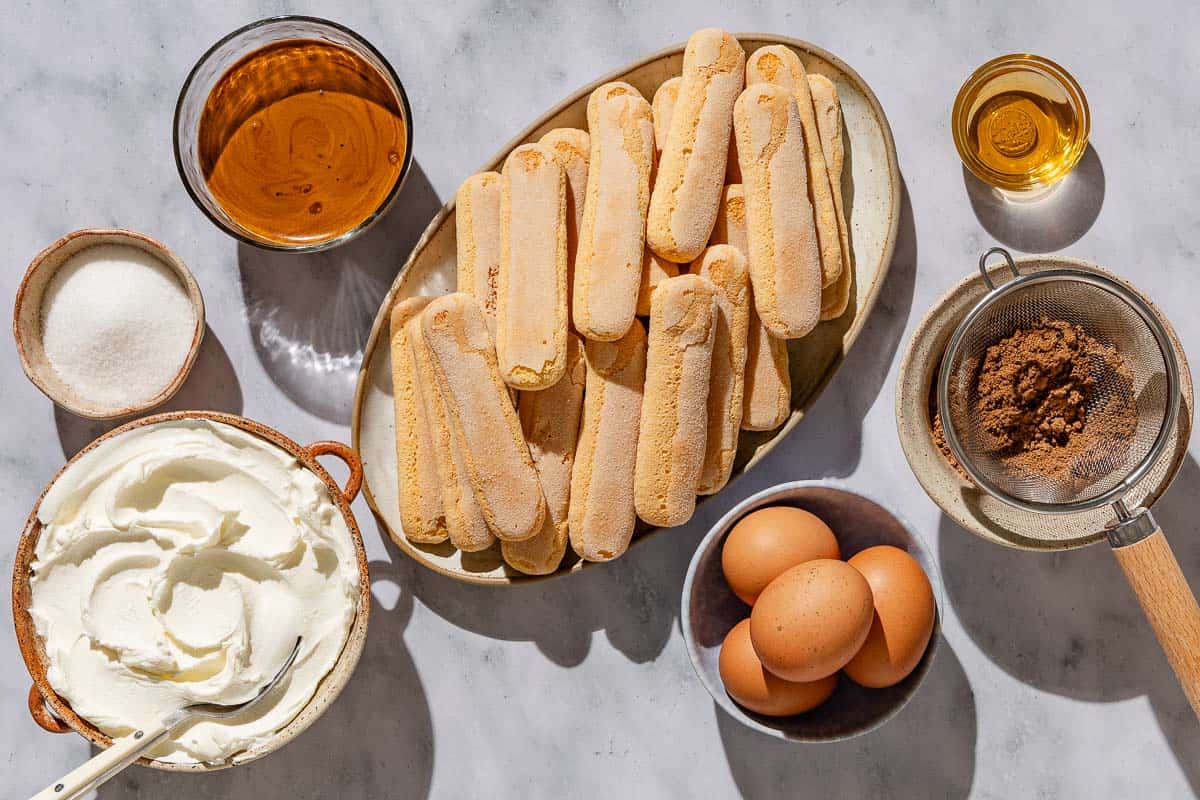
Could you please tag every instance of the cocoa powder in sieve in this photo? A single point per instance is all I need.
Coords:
(1039, 407)
(939, 436)
(1036, 391)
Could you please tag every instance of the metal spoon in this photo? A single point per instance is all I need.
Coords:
(126, 750)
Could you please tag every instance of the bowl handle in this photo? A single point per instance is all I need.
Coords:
(346, 454)
(41, 713)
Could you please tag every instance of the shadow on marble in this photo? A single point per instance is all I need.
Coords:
(376, 740)
(634, 600)
(310, 314)
(212, 386)
(927, 750)
(1051, 223)
(1067, 622)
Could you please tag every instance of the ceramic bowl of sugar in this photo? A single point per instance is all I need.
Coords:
(108, 322)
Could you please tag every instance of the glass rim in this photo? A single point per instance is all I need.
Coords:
(389, 74)
(986, 71)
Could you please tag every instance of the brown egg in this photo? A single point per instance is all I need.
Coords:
(903, 619)
(812, 619)
(769, 541)
(758, 690)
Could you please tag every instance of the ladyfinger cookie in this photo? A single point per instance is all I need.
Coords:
(784, 257)
(730, 227)
(655, 270)
(571, 148)
(465, 525)
(835, 298)
(612, 236)
(480, 415)
(779, 64)
(665, 98)
(671, 439)
(691, 171)
(733, 168)
(725, 266)
(531, 307)
(420, 489)
(601, 519)
(663, 105)
(550, 421)
(477, 230)
(767, 394)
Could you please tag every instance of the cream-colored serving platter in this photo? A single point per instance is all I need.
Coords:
(872, 199)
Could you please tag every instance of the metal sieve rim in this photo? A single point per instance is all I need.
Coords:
(1157, 329)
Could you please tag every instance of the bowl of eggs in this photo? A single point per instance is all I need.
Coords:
(810, 612)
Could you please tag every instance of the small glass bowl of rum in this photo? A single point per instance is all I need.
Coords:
(293, 133)
(1020, 123)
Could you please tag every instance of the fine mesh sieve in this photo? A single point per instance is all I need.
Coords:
(1140, 385)
(1146, 391)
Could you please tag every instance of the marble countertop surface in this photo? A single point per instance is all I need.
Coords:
(1047, 683)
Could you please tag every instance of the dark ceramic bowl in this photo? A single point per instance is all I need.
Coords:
(711, 609)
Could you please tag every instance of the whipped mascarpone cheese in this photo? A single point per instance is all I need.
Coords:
(177, 564)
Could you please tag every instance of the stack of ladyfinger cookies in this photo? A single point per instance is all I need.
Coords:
(534, 407)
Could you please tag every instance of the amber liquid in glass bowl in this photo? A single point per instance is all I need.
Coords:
(301, 141)
(1020, 123)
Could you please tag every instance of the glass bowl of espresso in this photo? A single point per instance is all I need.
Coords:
(293, 133)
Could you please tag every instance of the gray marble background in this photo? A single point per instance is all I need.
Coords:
(1047, 683)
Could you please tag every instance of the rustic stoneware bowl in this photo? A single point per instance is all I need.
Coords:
(710, 609)
(54, 714)
(27, 319)
(872, 192)
(962, 501)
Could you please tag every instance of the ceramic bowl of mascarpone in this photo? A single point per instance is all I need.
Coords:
(175, 561)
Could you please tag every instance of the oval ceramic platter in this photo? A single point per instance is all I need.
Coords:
(871, 189)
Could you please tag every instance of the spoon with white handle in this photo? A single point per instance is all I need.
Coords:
(126, 750)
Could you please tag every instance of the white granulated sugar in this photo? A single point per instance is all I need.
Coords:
(117, 324)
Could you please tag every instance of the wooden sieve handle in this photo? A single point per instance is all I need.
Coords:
(1169, 605)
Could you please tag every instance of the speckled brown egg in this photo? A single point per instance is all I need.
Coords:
(760, 691)
(769, 541)
(903, 618)
(812, 619)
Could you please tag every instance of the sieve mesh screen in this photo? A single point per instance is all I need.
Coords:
(1140, 389)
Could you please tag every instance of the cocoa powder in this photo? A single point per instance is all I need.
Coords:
(939, 436)
(1040, 409)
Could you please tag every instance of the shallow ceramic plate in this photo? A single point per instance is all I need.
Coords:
(710, 609)
(872, 194)
(961, 500)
